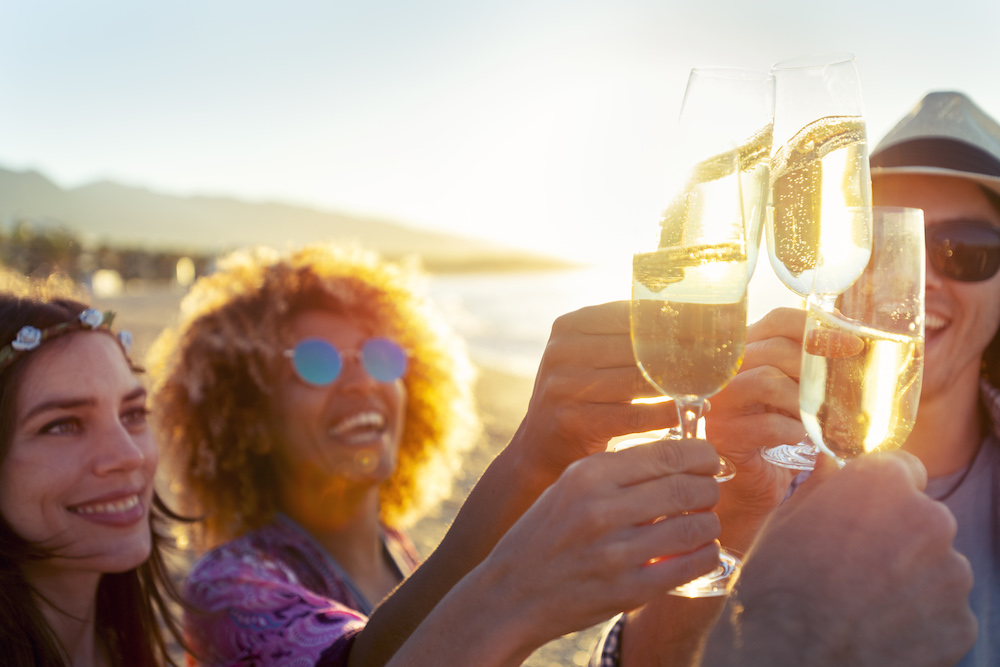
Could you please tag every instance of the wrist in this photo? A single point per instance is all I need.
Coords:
(740, 524)
(524, 458)
(760, 632)
(497, 634)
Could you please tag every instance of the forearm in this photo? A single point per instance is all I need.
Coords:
(739, 527)
(460, 632)
(672, 630)
(757, 637)
(507, 488)
(669, 631)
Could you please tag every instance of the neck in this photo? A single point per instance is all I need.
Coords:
(68, 601)
(343, 519)
(947, 432)
(330, 506)
(357, 547)
(348, 528)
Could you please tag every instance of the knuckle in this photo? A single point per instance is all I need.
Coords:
(681, 494)
(691, 493)
(633, 419)
(774, 428)
(940, 519)
(677, 456)
(623, 347)
(562, 424)
(595, 521)
(562, 324)
(701, 562)
(575, 472)
(637, 384)
(615, 556)
(763, 348)
(705, 527)
(672, 457)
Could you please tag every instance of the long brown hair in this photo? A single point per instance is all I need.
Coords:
(133, 608)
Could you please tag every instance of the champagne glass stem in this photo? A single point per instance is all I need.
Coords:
(825, 301)
(718, 582)
(689, 413)
(802, 455)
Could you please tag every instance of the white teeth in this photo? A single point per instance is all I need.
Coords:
(934, 321)
(108, 508)
(362, 420)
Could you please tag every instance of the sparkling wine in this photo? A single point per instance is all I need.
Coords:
(859, 387)
(821, 206)
(689, 350)
(689, 317)
(710, 188)
(755, 184)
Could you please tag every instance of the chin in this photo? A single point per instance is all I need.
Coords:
(127, 557)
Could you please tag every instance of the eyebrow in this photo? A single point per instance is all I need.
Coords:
(70, 403)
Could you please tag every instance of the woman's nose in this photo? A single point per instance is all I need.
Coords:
(120, 451)
(354, 375)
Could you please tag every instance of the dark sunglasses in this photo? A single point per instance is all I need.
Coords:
(318, 362)
(964, 250)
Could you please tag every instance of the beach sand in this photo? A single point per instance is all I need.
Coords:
(502, 398)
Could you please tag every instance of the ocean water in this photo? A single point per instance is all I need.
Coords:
(506, 318)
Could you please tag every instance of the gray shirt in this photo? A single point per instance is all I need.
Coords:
(974, 504)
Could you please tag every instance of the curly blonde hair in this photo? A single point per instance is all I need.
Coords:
(213, 381)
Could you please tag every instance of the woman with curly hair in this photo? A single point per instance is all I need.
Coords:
(82, 569)
(310, 405)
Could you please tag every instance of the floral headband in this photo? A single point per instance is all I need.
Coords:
(29, 337)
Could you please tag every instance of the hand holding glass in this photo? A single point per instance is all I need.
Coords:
(689, 279)
(819, 223)
(862, 362)
(725, 124)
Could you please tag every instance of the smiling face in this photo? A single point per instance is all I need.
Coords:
(961, 317)
(77, 479)
(345, 434)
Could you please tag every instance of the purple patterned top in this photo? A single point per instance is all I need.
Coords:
(274, 596)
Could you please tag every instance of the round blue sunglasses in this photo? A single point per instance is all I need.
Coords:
(320, 363)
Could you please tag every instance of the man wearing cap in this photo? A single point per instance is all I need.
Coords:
(943, 157)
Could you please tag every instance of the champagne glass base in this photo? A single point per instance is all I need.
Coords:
(796, 457)
(714, 584)
(727, 470)
(647, 437)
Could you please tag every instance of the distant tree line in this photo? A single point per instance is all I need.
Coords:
(39, 248)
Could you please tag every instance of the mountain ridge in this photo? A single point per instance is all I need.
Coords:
(109, 212)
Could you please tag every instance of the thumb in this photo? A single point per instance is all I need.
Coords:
(825, 467)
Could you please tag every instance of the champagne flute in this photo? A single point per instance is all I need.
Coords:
(862, 361)
(819, 220)
(731, 106)
(689, 281)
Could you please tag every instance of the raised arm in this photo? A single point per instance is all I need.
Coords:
(581, 399)
(590, 547)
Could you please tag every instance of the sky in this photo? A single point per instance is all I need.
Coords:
(541, 124)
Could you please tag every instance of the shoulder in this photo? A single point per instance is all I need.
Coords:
(247, 605)
(250, 557)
